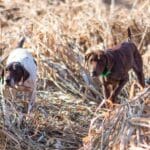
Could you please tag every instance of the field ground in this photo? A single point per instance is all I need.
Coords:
(66, 115)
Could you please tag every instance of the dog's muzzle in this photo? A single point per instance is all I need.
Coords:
(93, 74)
(9, 82)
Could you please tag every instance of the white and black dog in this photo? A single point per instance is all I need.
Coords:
(21, 72)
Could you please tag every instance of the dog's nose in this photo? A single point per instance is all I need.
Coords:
(93, 74)
(8, 81)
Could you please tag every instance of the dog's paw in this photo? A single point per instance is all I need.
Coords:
(109, 103)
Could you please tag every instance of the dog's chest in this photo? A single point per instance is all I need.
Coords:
(109, 80)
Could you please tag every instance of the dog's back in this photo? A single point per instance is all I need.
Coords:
(18, 54)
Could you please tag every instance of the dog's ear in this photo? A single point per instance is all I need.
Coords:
(25, 74)
(100, 54)
(87, 55)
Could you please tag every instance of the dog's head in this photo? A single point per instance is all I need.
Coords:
(96, 61)
(15, 73)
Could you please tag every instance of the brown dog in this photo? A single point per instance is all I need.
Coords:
(113, 66)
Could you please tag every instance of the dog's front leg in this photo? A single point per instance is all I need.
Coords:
(105, 88)
(106, 91)
(13, 93)
(117, 90)
(31, 100)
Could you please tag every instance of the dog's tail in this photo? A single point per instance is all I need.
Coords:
(129, 34)
(20, 44)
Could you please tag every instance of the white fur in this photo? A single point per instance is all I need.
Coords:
(22, 56)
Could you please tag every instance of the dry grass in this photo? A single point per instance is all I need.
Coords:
(66, 115)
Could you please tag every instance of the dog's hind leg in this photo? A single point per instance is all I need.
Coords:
(140, 77)
(138, 69)
(132, 90)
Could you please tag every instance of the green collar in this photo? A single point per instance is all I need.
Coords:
(106, 72)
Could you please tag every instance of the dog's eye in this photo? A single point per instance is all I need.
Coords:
(93, 59)
(7, 69)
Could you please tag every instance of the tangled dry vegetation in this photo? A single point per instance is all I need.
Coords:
(67, 114)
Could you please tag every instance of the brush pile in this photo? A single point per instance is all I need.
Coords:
(125, 128)
(66, 115)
